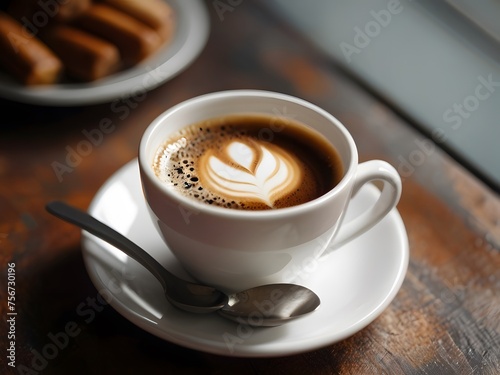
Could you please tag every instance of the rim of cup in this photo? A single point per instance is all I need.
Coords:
(197, 206)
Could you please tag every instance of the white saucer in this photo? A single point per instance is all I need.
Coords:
(191, 34)
(355, 283)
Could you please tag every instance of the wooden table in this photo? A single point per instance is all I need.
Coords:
(444, 320)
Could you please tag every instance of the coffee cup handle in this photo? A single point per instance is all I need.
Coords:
(389, 197)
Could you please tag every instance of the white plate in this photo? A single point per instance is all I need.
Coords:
(355, 283)
(191, 34)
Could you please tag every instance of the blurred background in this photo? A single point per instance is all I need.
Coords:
(437, 62)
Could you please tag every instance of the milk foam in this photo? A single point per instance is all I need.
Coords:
(227, 162)
(250, 169)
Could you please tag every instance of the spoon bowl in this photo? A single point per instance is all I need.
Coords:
(266, 306)
(270, 305)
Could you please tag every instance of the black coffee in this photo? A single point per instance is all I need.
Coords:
(251, 162)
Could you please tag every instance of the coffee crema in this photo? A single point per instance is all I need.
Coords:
(248, 161)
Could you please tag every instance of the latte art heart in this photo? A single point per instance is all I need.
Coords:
(250, 169)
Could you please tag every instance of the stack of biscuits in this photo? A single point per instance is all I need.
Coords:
(45, 41)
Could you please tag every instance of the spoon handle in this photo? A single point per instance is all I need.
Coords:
(101, 230)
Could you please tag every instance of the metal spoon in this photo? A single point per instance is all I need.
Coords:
(267, 305)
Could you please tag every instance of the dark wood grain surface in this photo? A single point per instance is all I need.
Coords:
(444, 320)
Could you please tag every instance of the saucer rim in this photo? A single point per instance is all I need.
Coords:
(268, 350)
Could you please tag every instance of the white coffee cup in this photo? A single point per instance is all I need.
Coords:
(237, 249)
